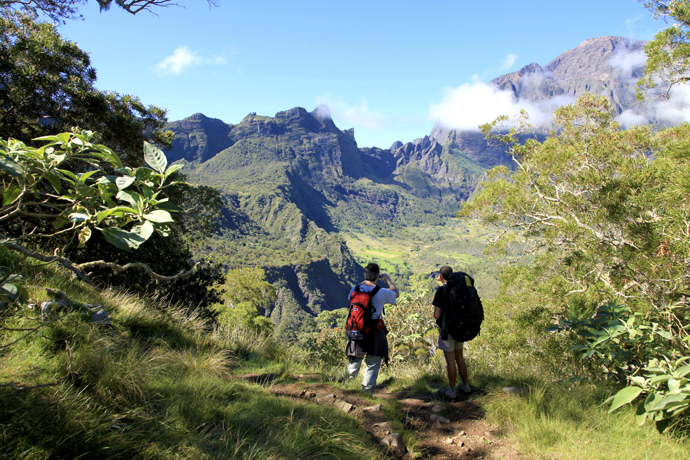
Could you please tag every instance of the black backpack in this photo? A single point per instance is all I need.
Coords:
(463, 312)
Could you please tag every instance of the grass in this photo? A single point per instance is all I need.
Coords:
(557, 421)
(159, 384)
(156, 385)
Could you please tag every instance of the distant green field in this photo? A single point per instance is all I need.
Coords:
(420, 251)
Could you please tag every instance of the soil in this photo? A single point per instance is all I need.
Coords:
(442, 428)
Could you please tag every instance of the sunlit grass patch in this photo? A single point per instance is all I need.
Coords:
(569, 422)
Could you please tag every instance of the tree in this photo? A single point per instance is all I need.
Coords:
(668, 54)
(166, 255)
(246, 296)
(61, 10)
(126, 208)
(47, 86)
(607, 214)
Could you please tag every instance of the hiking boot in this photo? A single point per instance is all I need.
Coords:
(449, 393)
(465, 387)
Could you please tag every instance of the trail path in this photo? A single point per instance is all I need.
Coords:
(442, 428)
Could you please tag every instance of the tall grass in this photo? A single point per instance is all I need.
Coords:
(560, 422)
(158, 384)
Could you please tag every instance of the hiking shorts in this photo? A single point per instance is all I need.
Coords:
(450, 344)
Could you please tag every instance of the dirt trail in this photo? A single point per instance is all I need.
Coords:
(443, 428)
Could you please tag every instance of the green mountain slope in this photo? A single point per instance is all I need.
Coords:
(292, 182)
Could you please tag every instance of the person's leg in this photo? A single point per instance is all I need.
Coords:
(450, 367)
(353, 367)
(462, 365)
(371, 373)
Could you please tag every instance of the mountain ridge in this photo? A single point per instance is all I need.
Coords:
(298, 180)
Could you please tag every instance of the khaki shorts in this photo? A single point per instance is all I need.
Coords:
(450, 344)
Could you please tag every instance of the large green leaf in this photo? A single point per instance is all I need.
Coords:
(122, 239)
(11, 167)
(10, 194)
(624, 396)
(84, 236)
(106, 154)
(130, 197)
(669, 400)
(144, 230)
(170, 207)
(172, 169)
(124, 182)
(116, 211)
(159, 216)
(155, 158)
(54, 180)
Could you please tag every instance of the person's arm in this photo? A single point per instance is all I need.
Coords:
(438, 300)
(391, 286)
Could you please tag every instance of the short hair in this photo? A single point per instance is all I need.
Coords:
(371, 272)
(445, 272)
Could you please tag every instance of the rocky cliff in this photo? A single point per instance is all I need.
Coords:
(605, 66)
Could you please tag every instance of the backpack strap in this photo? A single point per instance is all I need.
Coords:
(372, 293)
(446, 305)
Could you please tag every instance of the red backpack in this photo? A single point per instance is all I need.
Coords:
(359, 321)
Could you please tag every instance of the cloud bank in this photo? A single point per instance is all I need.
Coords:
(472, 104)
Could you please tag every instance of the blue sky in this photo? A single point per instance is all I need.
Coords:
(381, 67)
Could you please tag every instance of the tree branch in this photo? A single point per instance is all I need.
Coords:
(140, 265)
(79, 269)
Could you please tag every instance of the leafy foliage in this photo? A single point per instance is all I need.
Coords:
(246, 295)
(126, 208)
(63, 185)
(606, 211)
(61, 10)
(668, 53)
(412, 328)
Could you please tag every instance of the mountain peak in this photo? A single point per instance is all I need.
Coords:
(604, 65)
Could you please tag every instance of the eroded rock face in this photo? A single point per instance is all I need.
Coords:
(605, 66)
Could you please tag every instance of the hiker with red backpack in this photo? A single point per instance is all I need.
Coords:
(365, 328)
(459, 313)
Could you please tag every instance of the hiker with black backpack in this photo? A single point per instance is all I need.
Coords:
(365, 328)
(458, 312)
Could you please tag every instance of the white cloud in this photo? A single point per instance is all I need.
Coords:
(183, 58)
(677, 108)
(358, 115)
(625, 61)
(509, 61)
(656, 108)
(472, 104)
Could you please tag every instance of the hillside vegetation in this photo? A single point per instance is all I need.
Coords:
(158, 384)
(150, 315)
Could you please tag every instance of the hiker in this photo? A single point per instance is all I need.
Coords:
(452, 350)
(375, 344)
